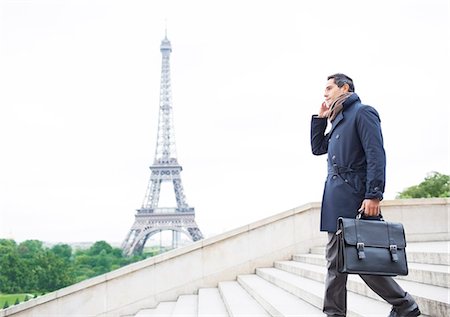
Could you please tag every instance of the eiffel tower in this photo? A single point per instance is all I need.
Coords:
(151, 219)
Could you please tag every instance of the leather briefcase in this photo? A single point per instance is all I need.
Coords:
(373, 247)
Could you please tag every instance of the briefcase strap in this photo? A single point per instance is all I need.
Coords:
(392, 245)
(359, 243)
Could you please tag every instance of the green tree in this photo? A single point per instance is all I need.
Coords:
(434, 185)
(64, 251)
(53, 272)
(6, 246)
(98, 247)
(29, 251)
(13, 277)
(103, 262)
(30, 248)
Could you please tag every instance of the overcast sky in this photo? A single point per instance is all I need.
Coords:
(79, 97)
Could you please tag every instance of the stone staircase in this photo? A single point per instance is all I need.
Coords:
(295, 288)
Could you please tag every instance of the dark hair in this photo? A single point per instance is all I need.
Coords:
(341, 79)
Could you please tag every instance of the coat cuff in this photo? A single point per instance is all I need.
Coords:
(375, 193)
(316, 116)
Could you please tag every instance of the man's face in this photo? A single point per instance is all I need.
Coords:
(332, 91)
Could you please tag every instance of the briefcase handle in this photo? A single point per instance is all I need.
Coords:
(360, 215)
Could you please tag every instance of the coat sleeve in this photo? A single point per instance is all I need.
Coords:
(369, 130)
(319, 140)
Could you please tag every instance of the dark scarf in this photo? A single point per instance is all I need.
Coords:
(337, 105)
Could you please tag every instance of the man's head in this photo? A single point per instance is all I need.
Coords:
(337, 85)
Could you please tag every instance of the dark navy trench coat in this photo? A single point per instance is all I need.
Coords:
(356, 160)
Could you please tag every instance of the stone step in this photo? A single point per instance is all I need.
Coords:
(210, 303)
(275, 300)
(315, 259)
(432, 274)
(433, 252)
(433, 300)
(186, 306)
(164, 309)
(436, 252)
(239, 302)
(317, 251)
(312, 292)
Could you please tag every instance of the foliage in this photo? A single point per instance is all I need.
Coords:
(64, 251)
(13, 273)
(31, 267)
(52, 272)
(434, 185)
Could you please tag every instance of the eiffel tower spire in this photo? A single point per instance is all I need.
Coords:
(151, 219)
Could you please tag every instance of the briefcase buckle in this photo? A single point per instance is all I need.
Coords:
(360, 248)
(393, 250)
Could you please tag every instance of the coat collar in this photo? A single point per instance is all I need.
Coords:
(350, 100)
(347, 103)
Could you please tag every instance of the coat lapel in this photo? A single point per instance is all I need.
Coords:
(336, 121)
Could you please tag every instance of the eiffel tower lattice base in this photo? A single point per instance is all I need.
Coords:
(147, 224)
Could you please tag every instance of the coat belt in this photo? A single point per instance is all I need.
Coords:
(337, 170)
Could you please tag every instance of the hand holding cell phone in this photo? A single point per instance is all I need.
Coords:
(323, 111)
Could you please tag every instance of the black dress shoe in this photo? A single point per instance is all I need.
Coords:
(413, 313)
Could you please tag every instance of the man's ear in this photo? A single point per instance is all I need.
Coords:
(346, 88)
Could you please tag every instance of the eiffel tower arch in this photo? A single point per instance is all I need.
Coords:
(151, 219)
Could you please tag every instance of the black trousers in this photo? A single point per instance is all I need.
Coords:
(335, 300)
